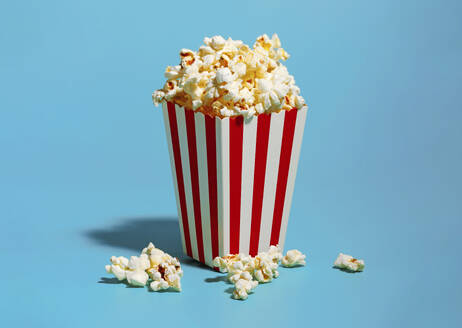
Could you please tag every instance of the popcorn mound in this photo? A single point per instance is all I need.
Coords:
(348, 263)
(228, 78)
(153, 264)
(246, 272)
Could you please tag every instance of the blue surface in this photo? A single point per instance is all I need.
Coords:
(84, 168)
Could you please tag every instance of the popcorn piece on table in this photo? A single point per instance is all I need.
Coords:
(137, 278)
(274, 253)
(347, 262)
(265, 272)
(243, 269)
(118, 267)
(234, 263)
(240, 275)
(163, 269)
(166, 276)
(293, 258)
(266, 264)
(133, 270)
(222, 262)
(243, 287)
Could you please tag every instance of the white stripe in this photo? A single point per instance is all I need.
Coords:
(248, 164)
(203, 185)
(296, 146)
(172, 165)
(271, 177)
(181, 120)
(222, 132)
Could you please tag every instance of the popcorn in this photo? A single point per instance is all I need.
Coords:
(240, 275)
(265, 272)
(226, 112)
(172, 72)
(240, 69)
(196, 104)
(158, 96)
(140, 263)
(293, 258)
(299, 102)
(275, 41)
(187, 57)
(166, 276)
(259, 108)
(223, 75)
(274, 253)
(163, 269)
(245, 271)
(216, 42)
(266, 265)
(159, 285)
(205, 50)
(242, 288)
(137, 278)
(228, 78)
(347, 262)
(208, 60)
(231, 263)
(118, 267)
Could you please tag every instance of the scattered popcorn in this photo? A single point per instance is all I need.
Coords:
(243, 287)
(265, 272)
(240, 275)
(347, 262)
(266, 264)
(235, 263)
(228, 78)
(274, 254)
(166, 276)
(293, 258)
(246, 272)
(152, 264)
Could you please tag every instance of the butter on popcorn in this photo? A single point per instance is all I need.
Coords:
(228, 78)
(347, 262)
(293, 258)
(163, 270)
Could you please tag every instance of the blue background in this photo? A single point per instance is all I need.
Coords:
(84, 168)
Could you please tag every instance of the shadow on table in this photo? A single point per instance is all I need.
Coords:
(345, 270)
(222, 278)
(115, 281)
(135, 233)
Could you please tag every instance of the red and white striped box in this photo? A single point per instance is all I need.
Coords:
(233, 178)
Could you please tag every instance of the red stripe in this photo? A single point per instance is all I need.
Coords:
(210, 134)
(192, 148)
(179, 174)
(261, 151)
(236, 132)
(284, 162)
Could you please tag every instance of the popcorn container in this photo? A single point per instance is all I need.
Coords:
(233, 178)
